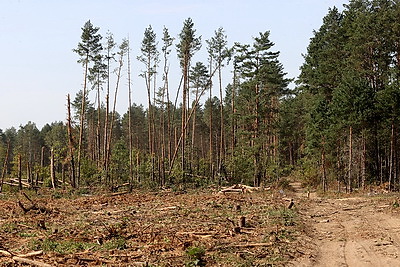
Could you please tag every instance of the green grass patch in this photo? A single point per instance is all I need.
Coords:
(62, 247)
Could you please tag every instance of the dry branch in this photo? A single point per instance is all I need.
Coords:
(5, 253)
(247, 245)
(119, 193)
(31, 262)
(167, 208)
(31, 254)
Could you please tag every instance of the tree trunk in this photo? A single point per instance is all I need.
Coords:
(130, 123)
(183, 121)
(70, 144)
(5, 164)
(349, 178)
(19, 172)
(324, 180)
(391, 157)
(98, 129)
(222, 132)
(82, 118)
(52, 170)
(211, 128)
(113, 115)
(363, 161)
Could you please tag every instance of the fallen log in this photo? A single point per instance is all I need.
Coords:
(231, 190)
(239, 188)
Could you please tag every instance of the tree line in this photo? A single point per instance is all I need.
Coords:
(337, 128)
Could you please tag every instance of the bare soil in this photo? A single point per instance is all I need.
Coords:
(360, 230)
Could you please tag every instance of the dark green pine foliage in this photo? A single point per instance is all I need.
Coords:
(262, 83)
(187, 46)
(88, 50)
(350, 76)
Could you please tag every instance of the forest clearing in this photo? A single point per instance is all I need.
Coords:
(204, 174)
(206, 227)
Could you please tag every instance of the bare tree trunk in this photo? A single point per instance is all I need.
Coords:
(130, 122)
(391, 157)
(82, 119)
(363, 161)
(113, 115)
(255, 137)
(183, 121)
(324, 180)
(222, 132)
(52, 170)
(106, 139)
(211, 128)
(98, 129)
(349, 180)
(149, 121)
(5, 164)
(19, 172)
(70, 144)
(41, 164)
(29, 174)
(194, 126)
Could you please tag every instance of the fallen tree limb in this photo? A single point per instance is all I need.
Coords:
(167, 208)
(119, 193)
(247, 245)
(31, 254)
(31, 262)
(5, 253)
(231, 190)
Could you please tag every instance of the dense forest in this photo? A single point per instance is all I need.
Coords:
(336, 129)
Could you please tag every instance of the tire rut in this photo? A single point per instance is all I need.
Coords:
(349, 232)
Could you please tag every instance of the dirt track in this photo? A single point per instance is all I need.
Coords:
(357, 231)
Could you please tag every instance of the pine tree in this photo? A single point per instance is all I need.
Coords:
(88, 49)
(150, 59)
(187, 46)
(263, 82)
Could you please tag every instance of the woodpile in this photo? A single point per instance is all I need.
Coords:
(239, 188)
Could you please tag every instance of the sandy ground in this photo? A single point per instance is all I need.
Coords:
(354, 231)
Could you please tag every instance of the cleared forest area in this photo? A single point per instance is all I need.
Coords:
(165, 228)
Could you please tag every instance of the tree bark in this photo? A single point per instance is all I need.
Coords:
(349, 178)
(5, 164)
(70, 144)
(52, 170)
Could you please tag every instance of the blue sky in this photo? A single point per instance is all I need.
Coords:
(38, 68)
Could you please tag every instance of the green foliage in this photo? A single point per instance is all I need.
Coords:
(115, 243)
(195, 256)
(59, 246)
(283, 216)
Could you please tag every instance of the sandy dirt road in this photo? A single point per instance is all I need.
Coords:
(356, 231)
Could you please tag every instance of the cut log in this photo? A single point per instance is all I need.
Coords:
(231, 190)
(239, 188)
